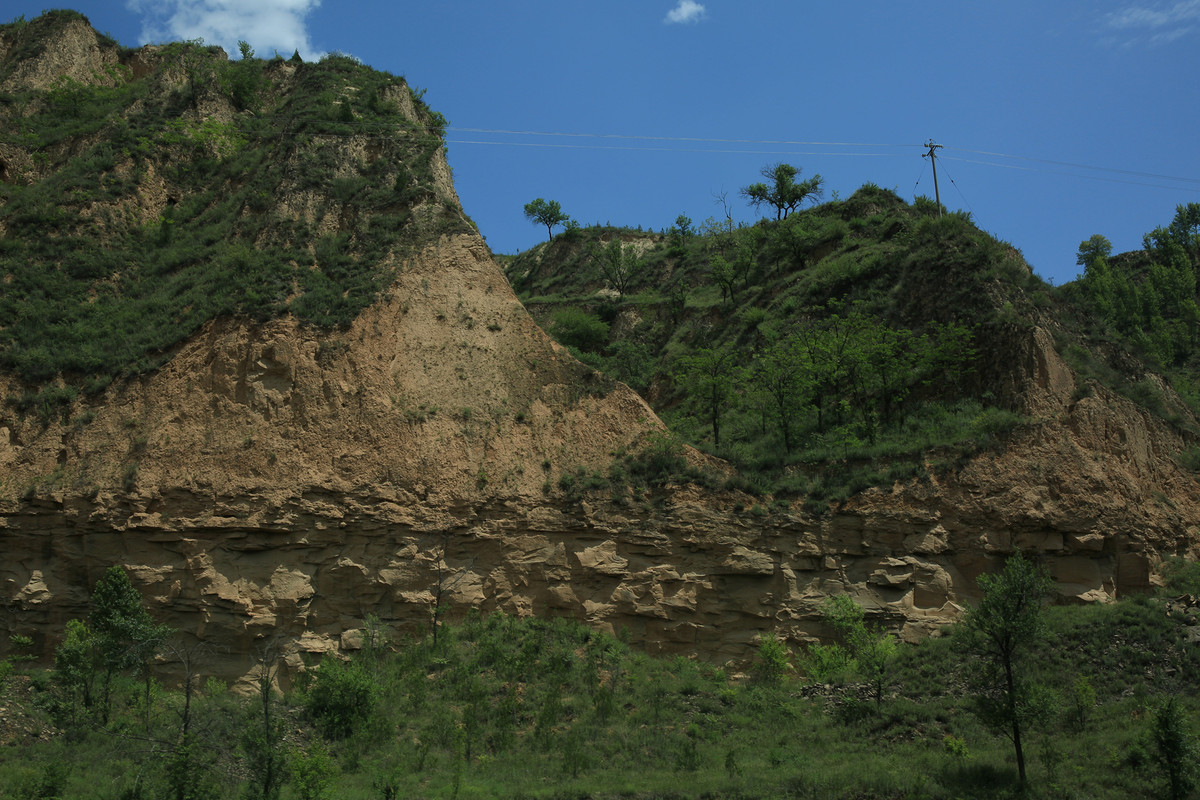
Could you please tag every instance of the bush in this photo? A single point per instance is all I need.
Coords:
(773, 658)
(341, 698)
(577, 328)
(1176, 749)
(827, 663)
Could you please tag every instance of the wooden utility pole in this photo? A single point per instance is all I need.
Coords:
(932, 155)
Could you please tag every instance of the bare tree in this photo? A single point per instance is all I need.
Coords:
(263, 744)
(444, 585)
(722, 198)
(190, 658)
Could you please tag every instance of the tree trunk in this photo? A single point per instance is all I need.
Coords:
(1012, 716)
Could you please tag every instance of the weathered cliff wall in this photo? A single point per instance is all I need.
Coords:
(273, 486)
(268, 486)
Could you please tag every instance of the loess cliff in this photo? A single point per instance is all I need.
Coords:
(273, 477)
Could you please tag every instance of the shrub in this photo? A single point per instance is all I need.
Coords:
(773, 658)
(826, 663)
(577, 328)
(342, 696)
(1176, 749)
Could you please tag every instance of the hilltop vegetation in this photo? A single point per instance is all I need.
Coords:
(1145, 303)
(137, 209)
(840, 346)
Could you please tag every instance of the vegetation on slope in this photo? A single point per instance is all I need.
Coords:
(135, 210)
(1144, 305)
(833, 349)
(849, 344)
(507, 707)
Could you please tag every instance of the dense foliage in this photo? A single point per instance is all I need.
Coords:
(508, 707)
(144, 209)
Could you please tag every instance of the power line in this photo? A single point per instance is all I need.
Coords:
(1079, 166)
(807, 143)
(670, 149)
(385, 130)
(1077, 175)
(677, 138)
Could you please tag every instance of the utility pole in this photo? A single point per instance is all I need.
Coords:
(932, 156)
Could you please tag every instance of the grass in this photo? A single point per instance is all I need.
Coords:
(545, 708)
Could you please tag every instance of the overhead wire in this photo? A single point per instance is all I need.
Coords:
(669, 149)
(382, 129)
(1078, 175)
(1081, 166)
(678, 138)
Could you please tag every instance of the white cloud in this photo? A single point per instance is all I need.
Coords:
(1160, 23)
(686, 11)
(269, 26)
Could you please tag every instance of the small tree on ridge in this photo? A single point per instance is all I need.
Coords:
(783, 192)
(545, 212)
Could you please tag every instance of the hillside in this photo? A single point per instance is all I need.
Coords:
(254, 350)
(849, 343)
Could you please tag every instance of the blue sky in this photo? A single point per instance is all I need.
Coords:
(1058, 119)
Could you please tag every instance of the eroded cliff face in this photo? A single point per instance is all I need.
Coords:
(271, 486)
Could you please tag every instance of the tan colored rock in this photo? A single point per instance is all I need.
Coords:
(288, 484)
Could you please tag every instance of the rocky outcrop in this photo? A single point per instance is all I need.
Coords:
(271, 487)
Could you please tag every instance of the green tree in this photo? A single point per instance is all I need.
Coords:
(77, 662)
(126, 636)
(1092, 251)
(341, 698)
(545, 212)
(724, 275)
(188, 771)
(312, 770)
(1176, 749)
(683, 228)
(243, 80)
(773, 660)
(1000, 633)
(708, 378)
(872, 649)
(782, 191)
(577, 328)
(619, 265)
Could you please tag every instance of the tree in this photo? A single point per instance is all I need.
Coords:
(780, 373)
(724, 275)
(683, 227)
(1000, 633)
(577, 328)
(126, 635)
(783, 192)
(545, 212)
(197, 64)
(1176, 748)
(262, 739)
(872, 649)
(619, 265)
(342, 696)
(447, 579)
(773, 660)
(708, 376)
(77, 662)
